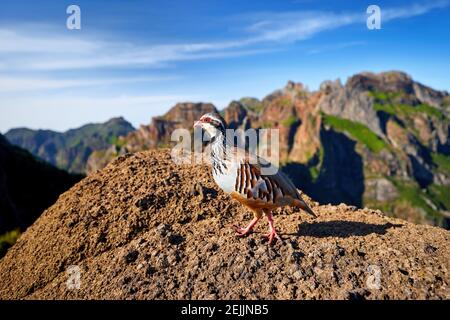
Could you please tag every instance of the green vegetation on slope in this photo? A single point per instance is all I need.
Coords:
(432, 201)
(252, 104)
(266, 125)
(442, 162)
(314, 172)
(358, 131)
(384, 101)
(440, 196)
(315, 163)
(404, 109)
(7, 240)
(384, 96)
(290, 121)
(116, 141)
(413, 195)
(285, 102)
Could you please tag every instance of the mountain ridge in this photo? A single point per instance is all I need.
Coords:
(70, 149)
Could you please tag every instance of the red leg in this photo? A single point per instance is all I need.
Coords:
(272, 233)
(242, 232)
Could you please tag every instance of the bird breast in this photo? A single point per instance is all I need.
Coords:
(226, 178)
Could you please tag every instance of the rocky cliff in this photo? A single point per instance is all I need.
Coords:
(145, 228)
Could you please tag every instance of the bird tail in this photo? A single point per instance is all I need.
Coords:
(302, 205)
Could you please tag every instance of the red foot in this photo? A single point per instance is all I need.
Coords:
(242, 232)
(272, 233)
(271, 236)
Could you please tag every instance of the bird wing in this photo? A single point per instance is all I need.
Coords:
(251, 182)
(263, 189)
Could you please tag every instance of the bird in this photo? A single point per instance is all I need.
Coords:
(239, 173)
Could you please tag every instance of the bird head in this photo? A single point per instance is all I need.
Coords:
(212, 123)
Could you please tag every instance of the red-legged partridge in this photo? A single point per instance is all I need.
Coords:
(239, 173)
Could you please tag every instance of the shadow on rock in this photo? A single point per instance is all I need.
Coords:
(342, 229)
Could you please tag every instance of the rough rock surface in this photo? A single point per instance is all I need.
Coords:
(381, 190)
(235, 114)
(146, 228)
(349, 102)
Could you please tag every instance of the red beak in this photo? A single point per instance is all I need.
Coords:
(197, 124)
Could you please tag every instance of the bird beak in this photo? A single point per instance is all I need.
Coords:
(197, 124)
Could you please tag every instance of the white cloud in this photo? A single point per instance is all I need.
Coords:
(295, 26)
(301, 25)
(20, 84)
(51, 51)
(13, 41)
(415, 9)
(158, 56)
(50, 54)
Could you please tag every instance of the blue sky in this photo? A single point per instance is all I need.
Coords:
(138, 58)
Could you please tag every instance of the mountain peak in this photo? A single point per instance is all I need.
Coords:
(393, 81)
(292, 86)
(119, 119)
(188, 111)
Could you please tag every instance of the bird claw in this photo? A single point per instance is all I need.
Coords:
(242, 232)
(271, 236)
